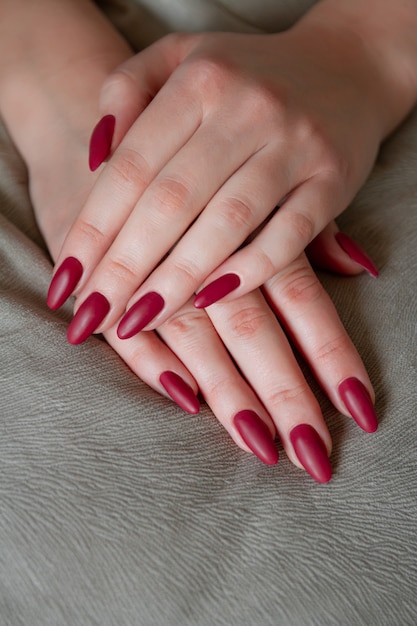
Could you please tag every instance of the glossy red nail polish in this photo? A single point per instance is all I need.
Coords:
(359, 404)
(64, 282)
(216, 290)
(257, 436)
(140, 314)
(311, 452)
(88, 317)
(180, 392)
(101, 140)
(356, 253)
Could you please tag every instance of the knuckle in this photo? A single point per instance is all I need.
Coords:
(261, 262)
(333, 350)
(184, 323)
(129, 169)
(300, 288)
(123, 270)
(247, 322)
(187, 273)
(121, 84)
(268, 103)
(276, 397)
(219, 387)
(236, 214)
(88, 231)
(171, 196)
(210, 72)
(302, 225)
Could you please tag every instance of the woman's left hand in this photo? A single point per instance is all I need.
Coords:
(212, 132)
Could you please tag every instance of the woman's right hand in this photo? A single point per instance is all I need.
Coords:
(244, 366)
(237, 354)
(265, 392)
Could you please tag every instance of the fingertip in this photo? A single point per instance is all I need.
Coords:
(334, 251)
(101, 141)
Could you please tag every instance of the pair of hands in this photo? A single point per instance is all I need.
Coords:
(212, 131)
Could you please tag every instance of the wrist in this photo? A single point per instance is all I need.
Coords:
(376, 43)
(51, 72)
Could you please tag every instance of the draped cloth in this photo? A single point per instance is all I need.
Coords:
(116, 508)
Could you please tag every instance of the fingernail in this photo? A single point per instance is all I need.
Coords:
(257, 436)
(101, 140)
(140, 314)
(311, 452)
(216, 290)
(88, 317)
(64, 282)
(359, 404)
(356, 253)
(180, 391)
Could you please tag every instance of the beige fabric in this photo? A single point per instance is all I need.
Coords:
(116, 508)
(143, 21)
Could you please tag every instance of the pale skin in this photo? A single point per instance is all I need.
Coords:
(50, 106)
(214, 130)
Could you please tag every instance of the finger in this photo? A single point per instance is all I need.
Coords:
(180, 190)
(257, 343)
(154, 363)
(129, 89)
(194, 339)
(154, 138)
(312, 321)
(305, 212)
(241, 204)
(336, 252)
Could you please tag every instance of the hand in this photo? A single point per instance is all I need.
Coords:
(226, 127)
(193, 351)
(273, 394)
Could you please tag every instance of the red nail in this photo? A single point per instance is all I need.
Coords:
(64, 282)
(216, 290)
(140, 314)
(359, 404)
(180, 392)
(356, 253)
(257, 436)
(88, 317)
(101, 140)
(311, 452)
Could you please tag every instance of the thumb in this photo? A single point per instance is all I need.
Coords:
(129, 89)
(335, 251)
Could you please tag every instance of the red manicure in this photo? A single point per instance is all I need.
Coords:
(216, 290)
(101, 140)
(311, 452)
(64, 282)
(140, 314)
(257, 436)
(180, 392)
(88, 317)
(359, 404)
(356, 253)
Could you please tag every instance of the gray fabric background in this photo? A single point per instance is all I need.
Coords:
(116, 508)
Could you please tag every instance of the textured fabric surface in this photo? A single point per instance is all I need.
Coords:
(116, 508)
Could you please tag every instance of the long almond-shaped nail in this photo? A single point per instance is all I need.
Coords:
(88, 317)
(359, 404)
(64, 282)
(356, 253)
(311, 452)
(101, 140)
(180, 391)
(257, 436)
(216, 290)
(140, 314)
